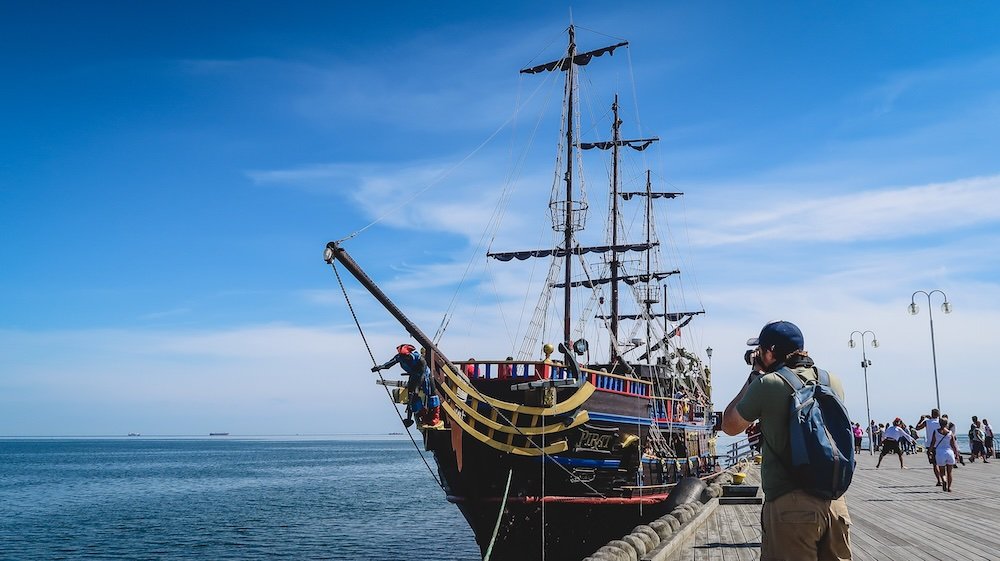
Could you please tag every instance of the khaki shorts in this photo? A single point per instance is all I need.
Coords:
(800, 527)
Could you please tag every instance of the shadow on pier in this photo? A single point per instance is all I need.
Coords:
(896, 514)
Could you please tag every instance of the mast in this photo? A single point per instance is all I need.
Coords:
(568, 232)
(570, 213)
(616, 141)
(649, 229)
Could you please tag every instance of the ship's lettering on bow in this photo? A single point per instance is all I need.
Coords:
(593, 439)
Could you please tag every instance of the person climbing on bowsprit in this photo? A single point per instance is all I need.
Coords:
(419, 374)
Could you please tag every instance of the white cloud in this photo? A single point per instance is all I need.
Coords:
(883, 214)
(425, 196)
(319, 378)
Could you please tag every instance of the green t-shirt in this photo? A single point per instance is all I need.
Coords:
(768, 399)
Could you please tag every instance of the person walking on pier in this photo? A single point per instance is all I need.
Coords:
(945, 451)
(858, 435)
(767, 396)
(931, 424)
(988, 440)
(976, 438)
(895, 436)
(951, 426)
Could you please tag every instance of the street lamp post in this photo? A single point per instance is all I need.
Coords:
(914, 310)
(865, 363)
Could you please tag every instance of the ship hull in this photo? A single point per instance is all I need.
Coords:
(573, 530)
(565, 506)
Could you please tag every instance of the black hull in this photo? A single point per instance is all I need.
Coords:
(583, 497)
(572, 531)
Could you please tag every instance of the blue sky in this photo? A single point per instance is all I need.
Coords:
(172, 171)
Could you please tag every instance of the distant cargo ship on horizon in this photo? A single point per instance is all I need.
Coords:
(218, 434)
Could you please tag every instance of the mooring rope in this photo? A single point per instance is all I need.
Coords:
(496, 528)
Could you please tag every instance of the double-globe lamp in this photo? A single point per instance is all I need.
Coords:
(914, 310)
(865, 363)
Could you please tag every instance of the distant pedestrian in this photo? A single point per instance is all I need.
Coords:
(976, 438)
(988, 441)
(945, 422)
(753, 437)
(894, 437)
(945, 449)
(858, 435)
(931, 424)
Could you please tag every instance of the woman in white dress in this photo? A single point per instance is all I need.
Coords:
(945, 451)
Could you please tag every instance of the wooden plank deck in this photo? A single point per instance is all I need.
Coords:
(896, 514)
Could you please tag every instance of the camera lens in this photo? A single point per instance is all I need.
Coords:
(748, 357)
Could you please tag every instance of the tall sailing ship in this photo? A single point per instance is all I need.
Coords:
(552, 456)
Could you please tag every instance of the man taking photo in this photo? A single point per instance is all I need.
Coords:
(796, 525)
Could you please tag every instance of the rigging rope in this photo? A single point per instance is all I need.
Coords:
(382, 378)
(394, 210)
(481, 396)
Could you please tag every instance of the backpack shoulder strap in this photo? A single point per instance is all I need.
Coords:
(790, 378)
(822, 376)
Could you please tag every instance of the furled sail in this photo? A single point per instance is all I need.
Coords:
(627, 279)
(667, 337)
(653, 195)
(671, 316)
(638, 144)
(560, 252)
(581, 59)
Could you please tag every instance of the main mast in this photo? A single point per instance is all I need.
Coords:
(649, 299)
(568, 230)
(616, 142)
(568, 213)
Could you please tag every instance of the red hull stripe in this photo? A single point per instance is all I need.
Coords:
(645, 499)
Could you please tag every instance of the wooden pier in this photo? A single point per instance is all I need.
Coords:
(896, 514)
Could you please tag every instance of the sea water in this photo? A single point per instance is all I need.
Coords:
(224, 498)
(227, 498)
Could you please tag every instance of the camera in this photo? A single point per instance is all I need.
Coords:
(752, 357)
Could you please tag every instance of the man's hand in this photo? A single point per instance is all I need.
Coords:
(732, 422)
(376, 368)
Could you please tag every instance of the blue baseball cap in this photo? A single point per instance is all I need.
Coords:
(781, 336)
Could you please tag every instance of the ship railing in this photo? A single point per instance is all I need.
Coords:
(665, 409)
(541, 370)
(677, 410)
(513, 370)
(741, 449)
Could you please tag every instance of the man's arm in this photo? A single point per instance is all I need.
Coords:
(389, 364)
(732, 422)
(921, 423)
